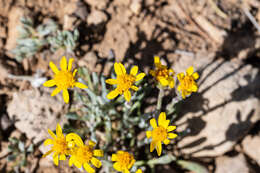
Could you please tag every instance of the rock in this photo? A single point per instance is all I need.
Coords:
(136, 6)
(96, 18)
(231, 164)
(224, 109)
(98, 4)
(5, 122)
(13, 23)
(35, 113)
(251, 147)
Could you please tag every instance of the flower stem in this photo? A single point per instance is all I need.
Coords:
(160, 97)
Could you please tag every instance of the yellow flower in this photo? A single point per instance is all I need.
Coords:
(83, 155)
(123, 161)
(60, 146)
(187, 82)
(162, 74)
(160, 133)
(63, 79)
(124, 81)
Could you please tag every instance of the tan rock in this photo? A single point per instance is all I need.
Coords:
(224, 109)
(231, 164)
(251, 147)
(96, 18)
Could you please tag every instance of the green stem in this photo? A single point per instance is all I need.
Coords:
(160, 97)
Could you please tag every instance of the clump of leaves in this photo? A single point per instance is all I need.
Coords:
(32, 39)
(64, 39)
(18, 152)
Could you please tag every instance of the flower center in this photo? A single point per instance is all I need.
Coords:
(187, 83)
(125, 159)
(159, 134)
(64, 79)
(84, 154)
(162, 73)
(125, 81)
(60, 145)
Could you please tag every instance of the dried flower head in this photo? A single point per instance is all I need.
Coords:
(162, 74)
(124, 81)
(187, 82)
(59, 144)
(160, 133)
(63, 79)
(83, 155)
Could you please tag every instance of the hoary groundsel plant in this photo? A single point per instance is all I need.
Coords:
(108, 128)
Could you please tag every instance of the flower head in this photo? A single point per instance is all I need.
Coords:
(83, 155)
(59, 144)
(124, 81)
(63, 79)
(160, 133)
(187, 82)
(162, 74)
(123, 161)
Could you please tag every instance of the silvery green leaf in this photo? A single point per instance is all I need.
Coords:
(91, 95)
(21, 146)
(95, 79)
(30, 148)
(11, 157)
(166, 159)
(192, 166)
(72, 116)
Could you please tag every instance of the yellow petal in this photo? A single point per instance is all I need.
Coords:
(74, 72)
(52, 134)
(71, 160)
(131, 164)
(112, 94)
(152, 72)
(111, 81)
(77, 164)
(70, 64)
(195, 75)
(180, 76)
(49, 83)
(166, 141)
(98, 153)
(153, 123)
(56, 159)
(171, 128)
(62, 157)
(159, 148)
(134, 70)
(55, 91)
(59, 131)
(97, 163)
(165, 124)
(127, 95)
(135, 88)
(88, 168)
(156, 60)
(152, 146)
(171, 83)
(63, 63)
(114, 157)
(119, 69)
(53, 67)
(74, 137)
(139, 76)
(48, 142)
(91, 143)
(194, 88)
(46, 154)
(172, 135)
(65, 95)
(163, 81)
(126, 171)
(117, 166)
(81, 85)
(189, 71)
(161, 119)
(148, 134)
(139, 171)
